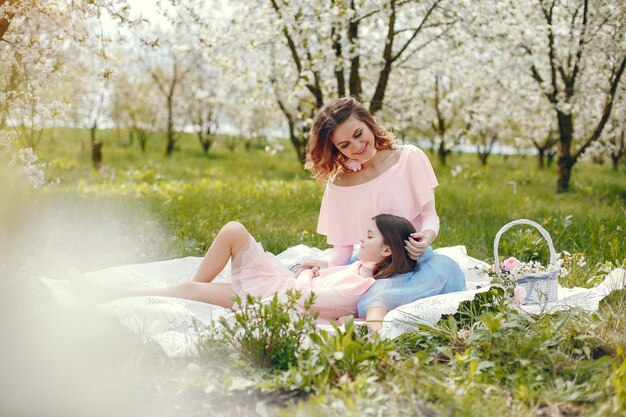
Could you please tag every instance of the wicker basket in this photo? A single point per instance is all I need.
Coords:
(542, 287)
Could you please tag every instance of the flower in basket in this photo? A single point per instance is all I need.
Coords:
(529, 282)
(509, 264)
(519, 294)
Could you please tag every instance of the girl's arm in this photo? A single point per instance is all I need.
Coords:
(339, 255)
(375, 316)
(418, 242)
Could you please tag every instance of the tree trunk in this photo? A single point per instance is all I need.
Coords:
(379, 95)
(204, 141)
(339, 75)
(142, 135)
(541, 157)
(299, 144)
(565, 161)
(619, 141)
(383, 78)
(355, 63)
(551, 153)
(96, 154)
(169, 149)
(443, 153)
(92, 132)
(564, 173)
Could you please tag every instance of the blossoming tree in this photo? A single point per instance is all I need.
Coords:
(336, 49)
(575, 52)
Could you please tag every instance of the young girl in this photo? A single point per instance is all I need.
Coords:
(337, 290)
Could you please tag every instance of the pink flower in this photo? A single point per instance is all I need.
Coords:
(509, 264)
(353, 165)
(519, 294)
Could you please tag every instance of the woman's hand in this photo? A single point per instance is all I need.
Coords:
(314, 265)
(418, 242)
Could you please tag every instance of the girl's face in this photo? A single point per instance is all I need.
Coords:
(373, 248)
(354, 139)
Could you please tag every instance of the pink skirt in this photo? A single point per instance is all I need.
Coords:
(259, 273)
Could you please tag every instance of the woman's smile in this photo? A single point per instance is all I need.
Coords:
(362, 150)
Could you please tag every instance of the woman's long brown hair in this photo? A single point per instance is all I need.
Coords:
(395, 230)
(323, 159)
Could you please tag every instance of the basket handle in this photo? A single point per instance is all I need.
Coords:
(507, 226)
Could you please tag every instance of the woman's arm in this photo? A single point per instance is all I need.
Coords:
(340, 255)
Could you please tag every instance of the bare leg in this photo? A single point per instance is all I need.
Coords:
(213, 293)
(229, 241)
(207, 292)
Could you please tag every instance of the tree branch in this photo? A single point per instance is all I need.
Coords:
(315, 88)
(548, 14)
(572, 26)
(416, 31)
(579, 51)
(290, 42)
(537, 77)
(339, 73)
(423, 45)
(608, 106)
(379, 94)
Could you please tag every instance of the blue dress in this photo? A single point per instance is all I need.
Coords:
(436, 274)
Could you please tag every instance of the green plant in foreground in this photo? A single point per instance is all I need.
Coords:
(339, 356)
(618, 380)
(270, 333)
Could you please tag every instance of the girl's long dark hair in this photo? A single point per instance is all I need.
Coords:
(395, 230)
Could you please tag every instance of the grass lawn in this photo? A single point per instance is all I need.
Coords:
(142, 207)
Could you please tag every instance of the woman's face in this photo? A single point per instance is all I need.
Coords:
(373, 247)
(354, 139)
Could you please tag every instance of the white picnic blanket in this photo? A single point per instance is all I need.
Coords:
(172, 322)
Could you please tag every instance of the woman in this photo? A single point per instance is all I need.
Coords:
(258, 273)
(368, 174)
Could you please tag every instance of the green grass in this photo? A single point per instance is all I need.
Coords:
(193, 195)
(144, 207)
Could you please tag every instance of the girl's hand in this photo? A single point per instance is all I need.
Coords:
(306, 271)
(314, 265)
(418, 242)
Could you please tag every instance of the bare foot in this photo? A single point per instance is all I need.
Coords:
(87, 290)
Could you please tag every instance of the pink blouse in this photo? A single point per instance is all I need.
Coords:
(337, 290)
(406, 189)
